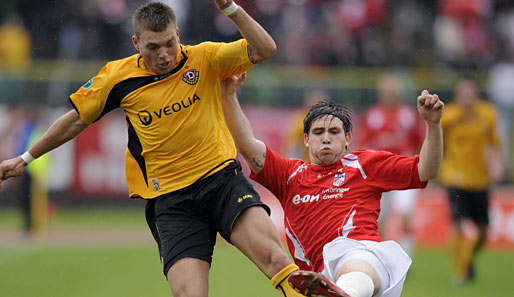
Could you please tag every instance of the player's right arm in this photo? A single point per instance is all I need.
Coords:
(261, 45)
(62, 130)
(252, 149)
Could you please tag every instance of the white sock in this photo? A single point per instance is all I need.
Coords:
(357, 284)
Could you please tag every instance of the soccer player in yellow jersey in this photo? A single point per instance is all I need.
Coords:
(471, 162)
(180, 154)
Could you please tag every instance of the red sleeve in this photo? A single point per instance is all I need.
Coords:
(387, 171)
(275, 173)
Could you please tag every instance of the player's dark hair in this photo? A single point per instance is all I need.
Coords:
(328, 108)
(153, 16)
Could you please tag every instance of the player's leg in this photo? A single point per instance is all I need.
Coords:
(359, 268)
(185, 242)
(479, 214)
(255, 236)
(360, 273)
(459, 211)
(403, 202)
(354, 277)
(244, 222)
(189, 277)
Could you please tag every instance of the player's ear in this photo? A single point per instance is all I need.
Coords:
(306, 139)
(348, 137)
(135, 42)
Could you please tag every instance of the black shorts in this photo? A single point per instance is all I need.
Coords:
(185, 222)
(469, 204)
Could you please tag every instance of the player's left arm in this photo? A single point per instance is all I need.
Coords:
(430, 109)
(261, 46)
(252, 149)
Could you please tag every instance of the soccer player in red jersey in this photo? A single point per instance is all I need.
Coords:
(393, 125)
(332, 203)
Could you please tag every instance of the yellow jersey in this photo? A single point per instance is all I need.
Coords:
(467, 135)
(176, 127)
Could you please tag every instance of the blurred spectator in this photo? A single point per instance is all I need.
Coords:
(500, 88)
(15, 45)
(411, 33)
(499, 83)
(22, 129)
(472, 161)
(461, 35)
(394, 126)
(15, 57)
(455, 33)
(43, 19)
(32, 187)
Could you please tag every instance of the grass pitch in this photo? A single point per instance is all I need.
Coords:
(134, 270)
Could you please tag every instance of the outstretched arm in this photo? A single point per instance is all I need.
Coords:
(252, 149)
(430, 157)
(62, 130)
(261, 46)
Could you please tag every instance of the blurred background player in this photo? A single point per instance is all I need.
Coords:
(30, 189)
(393, 126)
(472, 162)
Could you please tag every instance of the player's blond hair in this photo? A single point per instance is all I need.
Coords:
(153, 16)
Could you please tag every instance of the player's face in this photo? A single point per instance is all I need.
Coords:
(158, 49)
(466, 93)
(327, 141)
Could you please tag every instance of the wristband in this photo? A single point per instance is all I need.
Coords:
(27, 157)
(230, 9)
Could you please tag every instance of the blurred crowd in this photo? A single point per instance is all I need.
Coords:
(452, 33)
(442, 34)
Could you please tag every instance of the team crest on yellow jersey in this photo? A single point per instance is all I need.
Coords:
(191, 76)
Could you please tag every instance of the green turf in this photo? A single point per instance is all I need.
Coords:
(53, 271)
(430, 275)
(116, 272)
(136, 272)
(87, 217)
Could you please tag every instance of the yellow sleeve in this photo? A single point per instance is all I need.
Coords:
(228, 58)
(90, 99)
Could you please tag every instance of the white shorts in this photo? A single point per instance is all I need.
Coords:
(388, 259)
(401, 201)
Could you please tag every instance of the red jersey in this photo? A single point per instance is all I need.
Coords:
(322, 203)
(399, 130)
